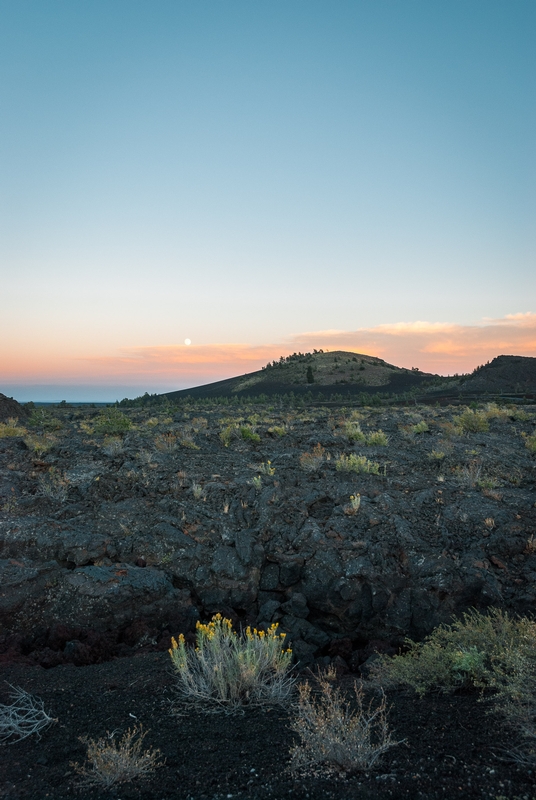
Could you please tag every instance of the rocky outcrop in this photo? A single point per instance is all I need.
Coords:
(10, 409)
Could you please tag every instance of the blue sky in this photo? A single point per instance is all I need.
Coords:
(245, 173)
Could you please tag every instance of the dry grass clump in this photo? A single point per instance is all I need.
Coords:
(311, 462)
(530, 443)
(358, 464)
(493, 411)
(39, 443)
(110, 762)
(23, 717)
(185, 437)
(337, 735)
(277, 430)
(198, 491)
(436, 455)
(54, 486)
(226, 670)
(10, 428)
(226, 434)
(471, 475)
(113, 446)
(352, 430)
(199, 423)
(166, 442)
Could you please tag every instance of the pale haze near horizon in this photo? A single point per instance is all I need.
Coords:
(261, 178)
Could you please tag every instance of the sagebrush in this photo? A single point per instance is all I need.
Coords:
(337, 734)
(110, 761)
(227, 670)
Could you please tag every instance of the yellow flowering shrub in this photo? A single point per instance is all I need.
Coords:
(227, 670)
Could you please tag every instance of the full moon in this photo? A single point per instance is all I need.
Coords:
(187, 341)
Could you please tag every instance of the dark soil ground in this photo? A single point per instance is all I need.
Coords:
(453, 747)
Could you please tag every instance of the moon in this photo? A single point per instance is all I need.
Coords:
(187, 341)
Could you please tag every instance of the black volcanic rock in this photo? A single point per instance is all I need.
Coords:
(10, 409)
(174, 523)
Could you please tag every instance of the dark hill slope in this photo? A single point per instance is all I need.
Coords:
(337, 372)
(505, 374)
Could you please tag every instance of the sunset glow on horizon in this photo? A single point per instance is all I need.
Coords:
(432, 347)
(190, 191)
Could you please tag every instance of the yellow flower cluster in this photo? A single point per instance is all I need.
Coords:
(175, 644)
(218, 623)
(270, 633)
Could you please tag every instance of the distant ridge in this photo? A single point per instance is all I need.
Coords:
(516, 374)
(341, 373)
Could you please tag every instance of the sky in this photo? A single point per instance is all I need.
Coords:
(258, 178)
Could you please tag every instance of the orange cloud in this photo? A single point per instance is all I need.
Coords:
(436, 347)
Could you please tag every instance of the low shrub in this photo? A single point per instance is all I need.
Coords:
(112, 422)
(492, 411)
(353, 431)
(336, 737)
(43, 419)
(39, 443)
(420, 427)
(377, 439)
(359, 464)
(113, 446)
(111, 762)
(198, 491)
(23, 717)
(226, 670)
(436, 455)
(54, 486)
(471, 421)
(491, 650)
(226, 435)
(467, 652)
(277, 430)
(311, 462)
(166, 442)
(530, 443)
(185, 437)
(249, 435)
